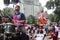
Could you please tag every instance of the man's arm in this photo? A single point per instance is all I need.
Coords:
(21, 21)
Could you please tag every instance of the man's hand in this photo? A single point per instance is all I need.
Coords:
(21, 21)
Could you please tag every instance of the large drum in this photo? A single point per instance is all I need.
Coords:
(9, 28)
(1, 28)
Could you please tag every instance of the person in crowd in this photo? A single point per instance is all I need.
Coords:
(59, 32)
(50, 28)
(39, 35)
(19, 20)
(53, 35)
(46, 27)
(1, 25)
(0, 18)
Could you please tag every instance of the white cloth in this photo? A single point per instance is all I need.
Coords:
(44, 32)
(58, 33)
(56, 28)
(39, 36)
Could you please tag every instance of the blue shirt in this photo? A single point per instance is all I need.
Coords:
(19, 16)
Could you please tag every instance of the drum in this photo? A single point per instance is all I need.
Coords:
(1, 28)
(9, 28)
(20, 36)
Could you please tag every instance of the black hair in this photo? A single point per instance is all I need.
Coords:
(41, 27)
(37, 25)
(38, 32)
(33, 31)
(18, 6)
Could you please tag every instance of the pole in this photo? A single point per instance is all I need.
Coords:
(33, 7)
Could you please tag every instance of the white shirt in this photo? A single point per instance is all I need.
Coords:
(58, 32)
(39, 36)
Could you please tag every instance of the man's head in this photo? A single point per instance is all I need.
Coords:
(17, 8)
(41, 30)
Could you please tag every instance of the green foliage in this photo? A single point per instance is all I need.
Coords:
(57, 13)
(31, 19)
(51, 17)
(56, 4)
(55, 17)
(50, 4)
(7, 12)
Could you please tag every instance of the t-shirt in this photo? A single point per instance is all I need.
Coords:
(54, 35)
(39, 37)
(46, 28)
(18, 17)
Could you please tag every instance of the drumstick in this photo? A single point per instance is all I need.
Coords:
(1, 24)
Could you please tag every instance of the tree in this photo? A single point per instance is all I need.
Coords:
(56, 3)
(57, 13)
(51, 17)
(7, 11)
(50, 4)
(31, 19)
(57, 10)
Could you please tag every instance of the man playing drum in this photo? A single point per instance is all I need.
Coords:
(19, 19)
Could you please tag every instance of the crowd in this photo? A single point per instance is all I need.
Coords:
(40, 32)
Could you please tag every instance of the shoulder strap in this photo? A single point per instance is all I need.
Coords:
(20, 14)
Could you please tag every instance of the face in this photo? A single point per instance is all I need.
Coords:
(17, 9)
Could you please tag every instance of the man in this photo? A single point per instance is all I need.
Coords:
(1, 25)
(39, 35)
(0, 18)
(19, 19)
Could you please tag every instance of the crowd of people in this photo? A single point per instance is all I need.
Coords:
(40, 32)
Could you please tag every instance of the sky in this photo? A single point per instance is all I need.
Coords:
(43, 3)
(1, 4)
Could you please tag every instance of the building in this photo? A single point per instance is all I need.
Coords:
(30, 7)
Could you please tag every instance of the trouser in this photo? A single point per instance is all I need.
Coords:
(1, 29)
(23, 36)
(44, 36)
(22, 29)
